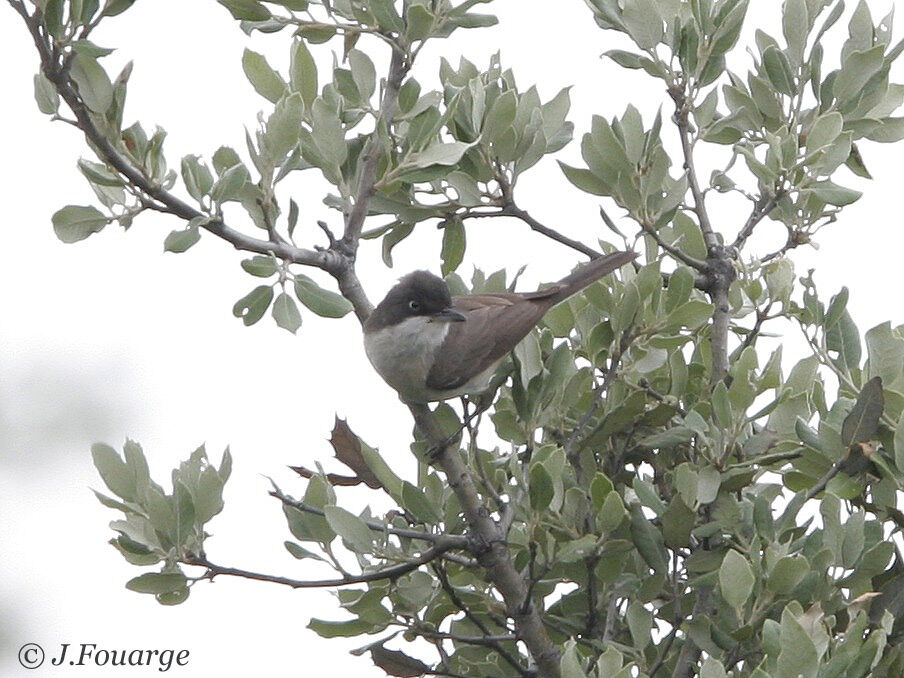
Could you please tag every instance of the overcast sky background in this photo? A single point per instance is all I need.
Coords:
(111, 338)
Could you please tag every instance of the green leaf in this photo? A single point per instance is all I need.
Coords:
(265, 80)
(500, 116)
(787, 573)
(350, 527)
(824, 131)
(419, 23)
(735, 579)
(253, 305)
(416, 502)
(284, 126)
(642, 20)
(322, 302)
(611, 513)
(303, 73)
(76, 222)
(157, 582)
(363, 72)
(113, 471)
(585, 180)
(197, 177)
(343, 629)
(863, 421)
(832, 193)
(856, 70)
(438, 154)
(180, 240)
(260, 266)
(454, 244)
(246, 10)
(541, 488)
(46, 95)
(677, 523)
(798, 657)
(94, 86)
(795, 26)
(229, 186)
(712, 668)
(778, 70)
(114, 7)
(285, 313)
(300, 552)
(691, 314)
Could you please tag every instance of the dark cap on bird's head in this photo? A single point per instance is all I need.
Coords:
(419, 293)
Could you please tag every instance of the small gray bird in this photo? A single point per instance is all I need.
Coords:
(429, 345)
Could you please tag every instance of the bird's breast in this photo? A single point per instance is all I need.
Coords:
(404, 353)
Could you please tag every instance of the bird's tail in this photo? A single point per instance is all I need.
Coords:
(591, 272)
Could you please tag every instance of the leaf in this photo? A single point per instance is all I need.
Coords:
(363, 73)
(832, 193)
(114, 7)
(157, 582)
(417, 503)
(260, 266)
(454, 244)
(246, 10)
(285, 313)
(265, 80)
(348, 449)
(541, 488)
(795, 26)
(500, 116)
(395, 663)
(735, 579)
(322, 302)
(76, 222)
(351, 528)
(787, 573)
(113, 471)
(438, 154)
(585, 180)
(94, 86)
(180, 240)
(300, 552)
(824, 131)
(303, 73)
(642, 20)
(798, 657)
(856, 70)
(46, 95)
(343, 629)
(899, 443)
(778, 70)
(863, 421)
(253, 305)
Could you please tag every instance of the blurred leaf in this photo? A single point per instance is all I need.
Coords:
(94, 86)
(46, 95)
(247, 10)
(396, 663)
(863, 421)
(454, 245)
(736, 579)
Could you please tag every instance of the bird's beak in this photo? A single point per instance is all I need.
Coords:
(448, 315)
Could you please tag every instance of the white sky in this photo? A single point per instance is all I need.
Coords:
(111, 338)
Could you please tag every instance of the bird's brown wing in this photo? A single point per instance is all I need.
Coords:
(495, 324)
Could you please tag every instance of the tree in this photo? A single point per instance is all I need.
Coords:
(649, 504)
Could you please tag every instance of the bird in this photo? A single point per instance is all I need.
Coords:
(430, 346)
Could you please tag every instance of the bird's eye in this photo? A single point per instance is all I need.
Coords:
(414, 305)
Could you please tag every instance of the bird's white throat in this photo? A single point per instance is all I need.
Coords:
(404, 353)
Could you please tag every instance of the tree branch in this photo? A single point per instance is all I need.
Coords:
(492, 553)
(354, 222)
(392, 572)
(761, 209)
(512, 210)
(332, 260)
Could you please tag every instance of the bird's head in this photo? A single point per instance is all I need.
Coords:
(418, 294)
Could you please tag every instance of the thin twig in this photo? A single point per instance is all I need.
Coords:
(393, 572)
